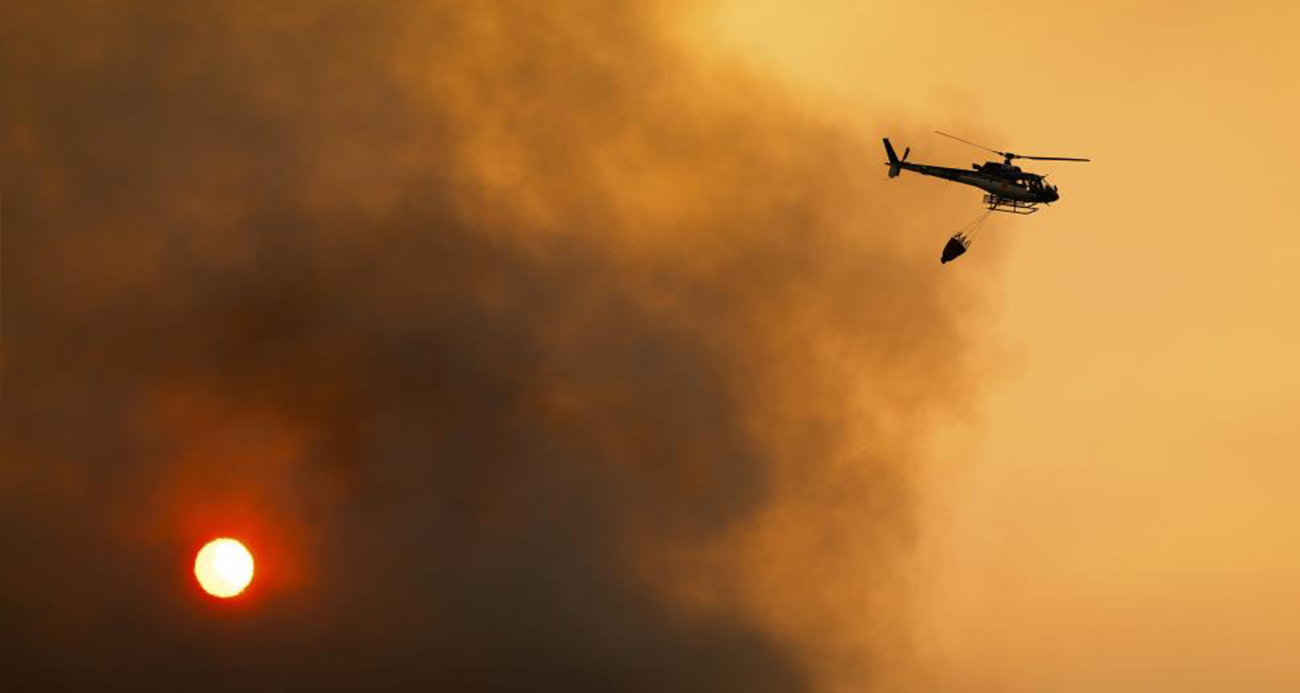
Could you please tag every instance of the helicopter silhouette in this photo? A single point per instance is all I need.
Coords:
(1009, 189)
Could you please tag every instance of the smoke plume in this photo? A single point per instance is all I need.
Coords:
(525, 351)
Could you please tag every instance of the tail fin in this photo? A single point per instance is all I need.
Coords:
(895, 164)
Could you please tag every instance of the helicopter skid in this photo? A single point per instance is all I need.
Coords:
(997, 203)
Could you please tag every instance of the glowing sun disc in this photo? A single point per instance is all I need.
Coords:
(224, 567)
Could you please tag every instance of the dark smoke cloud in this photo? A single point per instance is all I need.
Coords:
(524, 351)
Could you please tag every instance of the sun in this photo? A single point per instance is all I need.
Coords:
(223, 567)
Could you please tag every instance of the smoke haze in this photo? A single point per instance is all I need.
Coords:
(525, 351)
(1124, 517)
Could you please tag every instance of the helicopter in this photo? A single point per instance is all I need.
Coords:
(1008, 188)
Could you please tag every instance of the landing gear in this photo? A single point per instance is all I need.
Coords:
(997, 203)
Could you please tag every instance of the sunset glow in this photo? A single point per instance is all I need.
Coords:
(223, 568)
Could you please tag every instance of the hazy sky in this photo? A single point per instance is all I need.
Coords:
(525, 346)
(1121, 513)
(586, 346)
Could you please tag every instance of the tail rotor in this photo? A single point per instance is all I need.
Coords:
(895, 163)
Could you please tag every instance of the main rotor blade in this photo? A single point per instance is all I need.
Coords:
(970, 143)
(1050, 158)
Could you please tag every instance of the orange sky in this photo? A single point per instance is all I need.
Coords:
(1121, 513)
(516, 345)
(523, 342)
